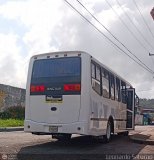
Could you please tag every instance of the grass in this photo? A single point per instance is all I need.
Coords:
(11, 122)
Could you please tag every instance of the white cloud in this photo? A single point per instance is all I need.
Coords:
(10, 60)
(40, 17)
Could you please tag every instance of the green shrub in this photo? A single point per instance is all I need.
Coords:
(15, 112)
(5, 115)
(11, 122)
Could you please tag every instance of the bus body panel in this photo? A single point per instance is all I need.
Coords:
(101, 110)
(85, 88)
(42, 112)
(27, 108)
(43, 128)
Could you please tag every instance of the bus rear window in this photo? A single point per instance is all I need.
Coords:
(58, 67)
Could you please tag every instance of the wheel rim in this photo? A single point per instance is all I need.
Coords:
(108, 132)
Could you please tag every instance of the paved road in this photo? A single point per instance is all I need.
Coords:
(25, 144)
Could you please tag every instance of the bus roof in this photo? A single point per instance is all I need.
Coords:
(59, 52)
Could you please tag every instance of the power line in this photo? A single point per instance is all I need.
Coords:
(136, 28)
(143, 19)
(115, 45)
(134, 25)
(144, 23)
(145, 90)
(113, 35)
(127, 26)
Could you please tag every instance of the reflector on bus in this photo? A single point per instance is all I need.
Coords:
(38, 88)
(72, 87)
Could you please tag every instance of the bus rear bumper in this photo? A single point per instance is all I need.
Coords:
(47, 129)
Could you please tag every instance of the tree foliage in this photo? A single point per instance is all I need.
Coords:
(15, 112)
(147, 103)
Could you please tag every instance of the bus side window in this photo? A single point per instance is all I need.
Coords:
(93, 70)
(117, 92)
(98, 73)
(123, 92)
(105, 83)
(96, 77)
(112, 86)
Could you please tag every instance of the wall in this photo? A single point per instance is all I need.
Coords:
(11, 96)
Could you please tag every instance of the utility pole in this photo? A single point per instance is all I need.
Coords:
(151, 55)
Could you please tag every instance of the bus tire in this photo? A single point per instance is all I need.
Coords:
(107, 137)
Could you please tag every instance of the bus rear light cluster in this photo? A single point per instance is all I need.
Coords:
(40, 88)
(72, 87)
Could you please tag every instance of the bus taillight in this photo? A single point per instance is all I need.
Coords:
(39, 88)
(72, 87)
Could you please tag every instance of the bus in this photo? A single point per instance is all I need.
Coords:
(71, 92)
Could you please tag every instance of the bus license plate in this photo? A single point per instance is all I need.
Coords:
(53, 99)
(53, 129)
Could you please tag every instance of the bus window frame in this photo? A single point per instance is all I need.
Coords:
(112, 81)
(92, 64)
(118, 89)
(95, 78)
(108, 79)
(123, 95)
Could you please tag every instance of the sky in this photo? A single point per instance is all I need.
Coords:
(29, 27)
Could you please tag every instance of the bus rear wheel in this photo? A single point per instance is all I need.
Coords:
(106, 138)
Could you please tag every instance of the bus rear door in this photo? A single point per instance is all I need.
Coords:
(130, 108)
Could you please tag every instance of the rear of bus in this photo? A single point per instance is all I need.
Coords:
(53, 94)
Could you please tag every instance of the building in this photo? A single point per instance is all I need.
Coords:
(138, 115)
(11, 96)
(144, 115)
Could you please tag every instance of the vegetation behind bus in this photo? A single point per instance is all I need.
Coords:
(11, 122)
(14, 112)
(12, 117)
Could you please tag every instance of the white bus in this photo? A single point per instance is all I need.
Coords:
(73, 93)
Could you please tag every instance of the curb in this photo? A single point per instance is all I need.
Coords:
(11, 129)
(141, 141)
